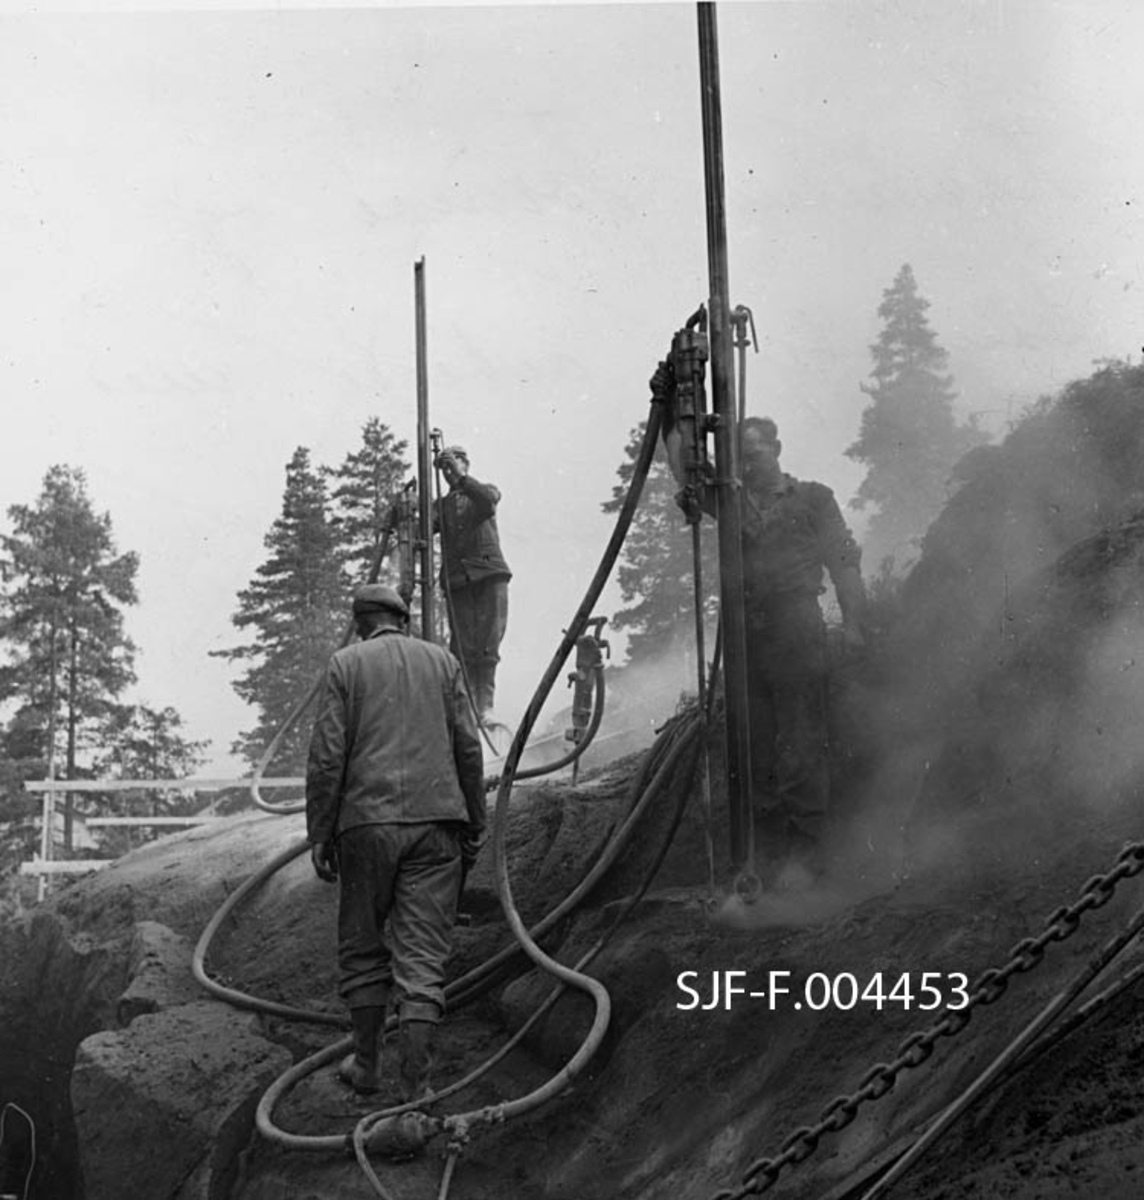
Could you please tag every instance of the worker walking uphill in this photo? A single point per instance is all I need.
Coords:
(474, 573)
(791, 531)
(395, 810)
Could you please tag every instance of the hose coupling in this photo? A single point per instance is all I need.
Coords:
(402, 1136)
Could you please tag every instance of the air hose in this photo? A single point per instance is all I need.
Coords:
(579, 622)
(578, 749)
(461, 991)
(287, 807)
(471, 985)
(674, 744)
(467, 985)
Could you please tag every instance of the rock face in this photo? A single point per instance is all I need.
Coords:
(188, 1080)
(159, 967)
(98, 954)
(996, 768)
(54, 991)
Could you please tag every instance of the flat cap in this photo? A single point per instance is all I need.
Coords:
(377, 597)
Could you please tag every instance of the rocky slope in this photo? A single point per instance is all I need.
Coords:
(987, 768)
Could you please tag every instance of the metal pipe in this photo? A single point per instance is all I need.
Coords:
(424, 466)
(726, 456)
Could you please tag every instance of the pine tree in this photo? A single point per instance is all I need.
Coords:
(145, 743)
(62, 619)
(296, 608)
(362, 492)
(656, 572)
(909, 439)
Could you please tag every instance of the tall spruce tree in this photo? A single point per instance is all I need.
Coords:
(909, 439)
(65, 587)
(362, 491)
(656, 572)
(295, 608)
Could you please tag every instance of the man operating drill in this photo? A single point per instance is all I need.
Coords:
(395, 810)
(474, 574)
(791, 531)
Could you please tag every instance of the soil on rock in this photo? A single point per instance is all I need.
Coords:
(987, 769)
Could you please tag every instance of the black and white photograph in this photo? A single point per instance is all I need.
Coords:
(572, 600)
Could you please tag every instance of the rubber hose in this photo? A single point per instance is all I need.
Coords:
(523, 936)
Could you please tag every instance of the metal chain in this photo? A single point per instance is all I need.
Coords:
(989, 987)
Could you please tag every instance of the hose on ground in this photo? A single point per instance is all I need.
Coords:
(233, 995)
(461, 991)
(524, 937)
(675, 744)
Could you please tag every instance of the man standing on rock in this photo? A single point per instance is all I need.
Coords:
(791, 531)
(395, 810)
(474, 574)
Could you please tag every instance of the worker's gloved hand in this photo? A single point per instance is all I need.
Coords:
(470, 847)
(324, 857)
(448, 466)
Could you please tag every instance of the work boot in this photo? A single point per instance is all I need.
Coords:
(362, 1069)
(415, 1044)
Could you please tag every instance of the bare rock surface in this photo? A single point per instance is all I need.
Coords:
(159, 966)
(164, 1107)
(989, 777)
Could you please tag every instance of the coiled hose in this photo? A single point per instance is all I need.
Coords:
(478, 980)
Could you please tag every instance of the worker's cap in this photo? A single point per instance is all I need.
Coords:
(455, 452)
(377, 597)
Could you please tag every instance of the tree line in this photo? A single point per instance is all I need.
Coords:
(65, 586)
(67, 660)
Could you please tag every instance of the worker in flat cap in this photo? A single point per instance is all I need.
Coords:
(395, 812)
(474, 574)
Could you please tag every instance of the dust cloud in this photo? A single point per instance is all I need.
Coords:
(999, 714)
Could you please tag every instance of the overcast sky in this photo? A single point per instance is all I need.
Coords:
(210, 220)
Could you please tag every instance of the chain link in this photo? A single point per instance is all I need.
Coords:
(917, 1047)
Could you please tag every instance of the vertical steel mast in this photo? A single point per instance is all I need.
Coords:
(726, 455)
(424, 465)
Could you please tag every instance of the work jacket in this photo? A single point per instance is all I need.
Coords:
(470, 543)
(788, 541)
(394, 741)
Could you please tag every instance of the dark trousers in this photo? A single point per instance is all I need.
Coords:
(410, 876)
(479, 619)
(786, 688)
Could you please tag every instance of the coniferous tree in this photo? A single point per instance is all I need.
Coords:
(362, 492)
(909, 439)
(62, 620)
(657, 570)
(295, 608)
(145, 743)
(18, 808)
